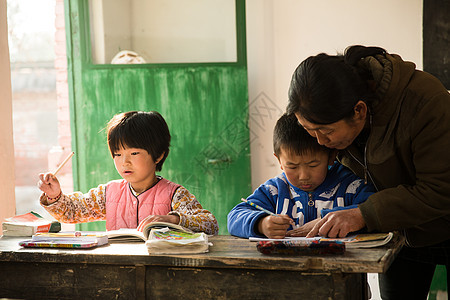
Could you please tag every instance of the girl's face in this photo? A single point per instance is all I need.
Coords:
(306, 171)
(338, 135)
(136, 166)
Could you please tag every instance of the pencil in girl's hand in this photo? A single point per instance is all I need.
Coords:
(64, 162)
(257, 206)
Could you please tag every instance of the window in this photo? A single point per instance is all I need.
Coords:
(162, 31)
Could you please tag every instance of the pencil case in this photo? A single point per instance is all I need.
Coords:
(294, 248)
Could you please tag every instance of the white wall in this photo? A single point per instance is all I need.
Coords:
(161, 31)
(7, 199)
(282, 33)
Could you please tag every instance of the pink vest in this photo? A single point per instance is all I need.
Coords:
(124, 210)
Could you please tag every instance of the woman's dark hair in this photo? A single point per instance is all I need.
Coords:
(292, 137)
(324, 89)
(137, 129)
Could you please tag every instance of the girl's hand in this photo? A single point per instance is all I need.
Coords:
(174, 219)
(339, 223)
(274, 227)
(49, 184)
(303, 230)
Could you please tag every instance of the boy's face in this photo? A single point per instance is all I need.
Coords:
(136, 166)
(306, 171)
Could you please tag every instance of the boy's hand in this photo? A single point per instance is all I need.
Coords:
(303, 230)
(49, 184)
(174, 219)
(339, 223)
(274, 227)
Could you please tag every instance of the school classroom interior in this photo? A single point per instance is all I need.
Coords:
(221, 87)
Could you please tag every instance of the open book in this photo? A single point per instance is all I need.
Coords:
(362, 240)
(125, 235)
(28, 224)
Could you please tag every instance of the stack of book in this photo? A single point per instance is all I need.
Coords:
(77, 239)
(168, 241)
(28, 224)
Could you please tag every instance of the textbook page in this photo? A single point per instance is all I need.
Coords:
(362, 240)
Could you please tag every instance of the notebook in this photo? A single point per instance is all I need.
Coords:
(78, 240)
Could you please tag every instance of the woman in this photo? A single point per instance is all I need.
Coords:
(391, 124)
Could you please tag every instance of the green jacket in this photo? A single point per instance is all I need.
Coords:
(407, 153)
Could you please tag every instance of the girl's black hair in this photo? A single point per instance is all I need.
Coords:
(137, 129)
(324, 89)
(292, 137)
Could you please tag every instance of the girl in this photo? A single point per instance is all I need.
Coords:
(139, 144)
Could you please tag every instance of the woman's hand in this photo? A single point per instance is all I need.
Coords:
(303, 230)
(174, 219)
(49, 184)
(338, 223)
(274, 227)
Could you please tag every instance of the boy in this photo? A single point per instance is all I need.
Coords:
(311, 185)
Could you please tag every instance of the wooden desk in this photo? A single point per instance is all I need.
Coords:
(233, 269)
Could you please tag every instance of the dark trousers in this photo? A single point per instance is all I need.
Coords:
(411, 273)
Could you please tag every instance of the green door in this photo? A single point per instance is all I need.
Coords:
(205, 103)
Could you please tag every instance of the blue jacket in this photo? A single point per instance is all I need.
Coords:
(341, 189)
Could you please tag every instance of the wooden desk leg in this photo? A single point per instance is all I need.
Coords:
(140, 282)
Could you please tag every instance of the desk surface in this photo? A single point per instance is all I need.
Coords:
(227, 251)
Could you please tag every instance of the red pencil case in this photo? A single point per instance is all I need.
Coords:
(287, 247)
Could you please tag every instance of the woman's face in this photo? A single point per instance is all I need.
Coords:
(338, 135)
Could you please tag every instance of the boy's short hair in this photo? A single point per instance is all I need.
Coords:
(138, 129)
(292, 137)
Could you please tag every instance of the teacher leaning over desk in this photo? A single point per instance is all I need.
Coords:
(391, 125)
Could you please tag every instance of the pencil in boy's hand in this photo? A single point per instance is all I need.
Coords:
(63, 163)
(265, 210)
(257, 206)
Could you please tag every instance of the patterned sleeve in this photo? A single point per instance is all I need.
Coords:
(78, 207)
(191, 213)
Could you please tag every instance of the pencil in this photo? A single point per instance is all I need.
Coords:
(64, 162)
(257, 206)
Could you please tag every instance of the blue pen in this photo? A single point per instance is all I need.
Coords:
(258, 207)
